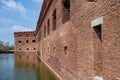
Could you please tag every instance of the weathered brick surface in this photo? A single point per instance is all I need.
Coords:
(74, 50)
(91, 50)
(87, 56)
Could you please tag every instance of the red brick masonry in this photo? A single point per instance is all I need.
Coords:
(78, 39)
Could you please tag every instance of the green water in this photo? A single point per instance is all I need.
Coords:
(23, 70)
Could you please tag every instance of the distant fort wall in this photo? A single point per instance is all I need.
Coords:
(25, 42)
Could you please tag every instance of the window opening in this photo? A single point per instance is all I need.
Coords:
(65, 11)
(33, 41)
(20, 49)
(48, 29)
(65, 49)
(33, 34)
(34, 49)
(98, 31)
(27, 41)
(27, 48)
(54, 19)
(19, 41)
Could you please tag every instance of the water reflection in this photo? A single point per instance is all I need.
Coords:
(23, 67)
(6, 67)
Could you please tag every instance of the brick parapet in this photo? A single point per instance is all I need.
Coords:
(25, 34)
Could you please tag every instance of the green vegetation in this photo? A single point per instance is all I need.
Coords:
(5, 46)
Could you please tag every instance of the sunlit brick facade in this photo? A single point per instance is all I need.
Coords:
(80, 39)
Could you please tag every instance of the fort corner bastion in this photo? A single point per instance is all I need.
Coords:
(77, 39)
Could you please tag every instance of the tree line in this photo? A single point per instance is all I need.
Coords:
(5, 46)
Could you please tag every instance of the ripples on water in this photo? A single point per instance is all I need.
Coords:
(23, 67)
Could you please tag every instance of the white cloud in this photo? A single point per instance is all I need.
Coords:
(38, 1)
(20, 28)
(4, 20)
(12, 5)
(15, 28)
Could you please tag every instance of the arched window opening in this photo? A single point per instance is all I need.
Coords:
(54, 19)
(65, 11)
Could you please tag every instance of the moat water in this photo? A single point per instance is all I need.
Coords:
(23, 70)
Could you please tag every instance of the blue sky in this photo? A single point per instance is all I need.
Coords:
(18, 15)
